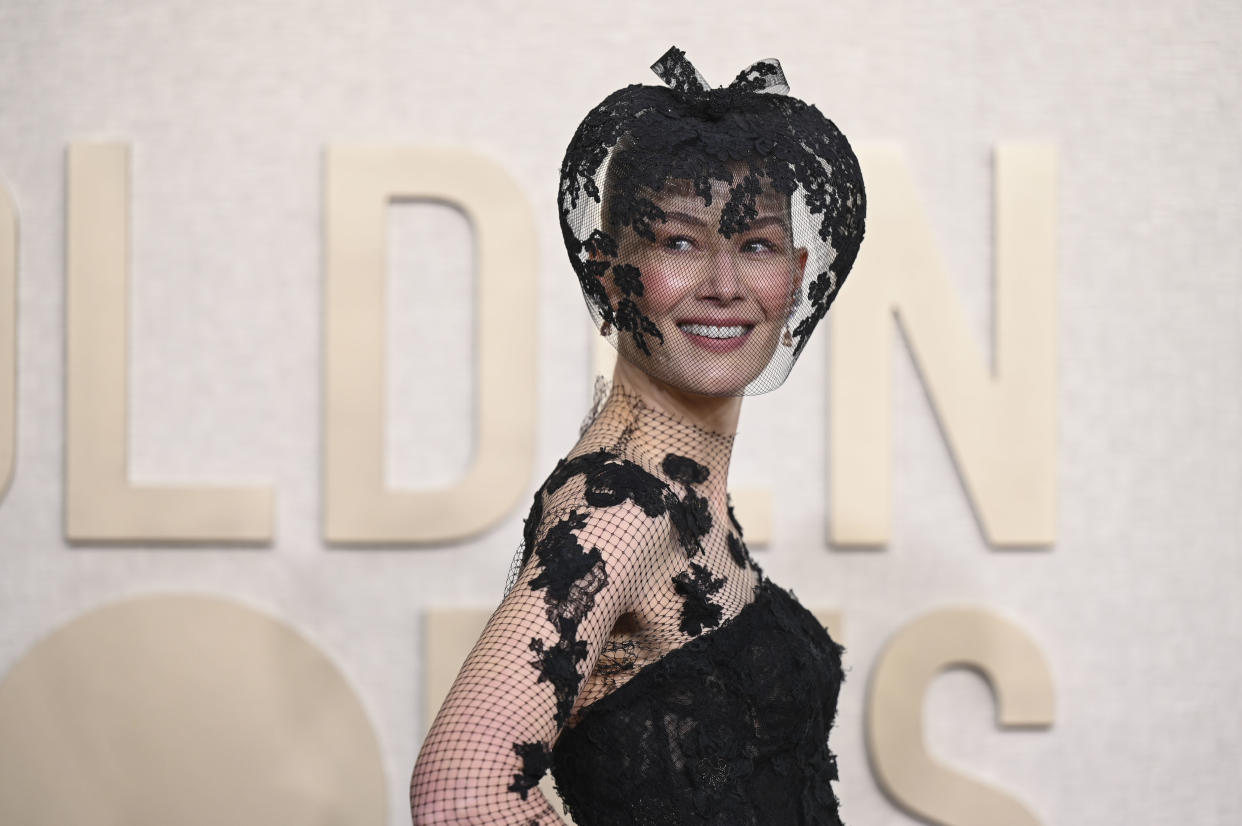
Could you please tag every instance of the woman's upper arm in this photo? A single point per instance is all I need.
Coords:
(491, 741)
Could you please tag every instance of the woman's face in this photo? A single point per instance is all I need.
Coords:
(720, 303)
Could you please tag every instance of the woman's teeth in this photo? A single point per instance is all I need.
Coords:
(712, 331)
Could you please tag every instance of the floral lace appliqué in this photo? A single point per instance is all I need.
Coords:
(698, 611)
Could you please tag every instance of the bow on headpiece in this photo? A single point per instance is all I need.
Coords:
(679, 74)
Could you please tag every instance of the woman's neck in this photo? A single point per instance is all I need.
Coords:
(665, 421)
(718, 414)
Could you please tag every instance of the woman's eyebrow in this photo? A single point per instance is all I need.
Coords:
(767, 220)
(685, 218)
(761, 221)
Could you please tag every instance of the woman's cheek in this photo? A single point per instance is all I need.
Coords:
(664, 286)
(772, 286)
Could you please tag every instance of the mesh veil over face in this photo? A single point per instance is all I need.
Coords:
(710, 229)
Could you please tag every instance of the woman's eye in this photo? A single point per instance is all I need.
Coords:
(679, 242)
(758, 245)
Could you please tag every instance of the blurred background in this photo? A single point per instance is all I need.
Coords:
(228, 662)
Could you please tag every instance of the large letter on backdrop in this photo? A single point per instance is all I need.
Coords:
(359, 507)
(8, 338)
(100, 503)
(1018, 674)
(1001, 428)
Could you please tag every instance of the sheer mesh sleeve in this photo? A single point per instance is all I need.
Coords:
(582, 569)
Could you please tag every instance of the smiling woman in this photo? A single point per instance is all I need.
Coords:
(708, 294)
(639, 652)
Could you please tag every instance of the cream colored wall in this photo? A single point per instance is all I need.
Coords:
(1020, 430)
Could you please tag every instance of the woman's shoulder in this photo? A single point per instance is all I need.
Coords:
(605, 481)
(599, 498)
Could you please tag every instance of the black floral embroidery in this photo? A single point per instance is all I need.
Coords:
(691, 518)
(567, 469)
(601, 243)
(530, 526)
(589, 274)
(821, 293)
(628, 278)
(690, 514)
(740, 209)
(679, 73)
(571, 578)
(568, 570)
(738, 551)
(737, 526)
(617, 657)
(722, 760)
(611, 481)
(764, 75)
(698, 612)
(558, 665)
(684, 469)
(536, 760)
(615, 482)
(631, 319)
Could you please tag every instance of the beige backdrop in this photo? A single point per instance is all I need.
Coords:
(1114, 584)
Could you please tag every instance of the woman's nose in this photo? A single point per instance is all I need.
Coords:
(724, 282)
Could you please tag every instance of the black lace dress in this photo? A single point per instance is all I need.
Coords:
(731, 728)
(640, 654)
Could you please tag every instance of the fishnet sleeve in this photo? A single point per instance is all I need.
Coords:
(491, 741)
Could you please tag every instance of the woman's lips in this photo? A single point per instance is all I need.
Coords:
(716, 337)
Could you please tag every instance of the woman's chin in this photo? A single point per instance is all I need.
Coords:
(703, 378)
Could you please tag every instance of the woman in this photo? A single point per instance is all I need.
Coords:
(640, 653)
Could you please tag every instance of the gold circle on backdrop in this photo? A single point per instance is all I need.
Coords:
(192, 710)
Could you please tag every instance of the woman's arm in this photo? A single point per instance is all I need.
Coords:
(491, 741)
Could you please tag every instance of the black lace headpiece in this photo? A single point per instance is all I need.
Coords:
(710, 229)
